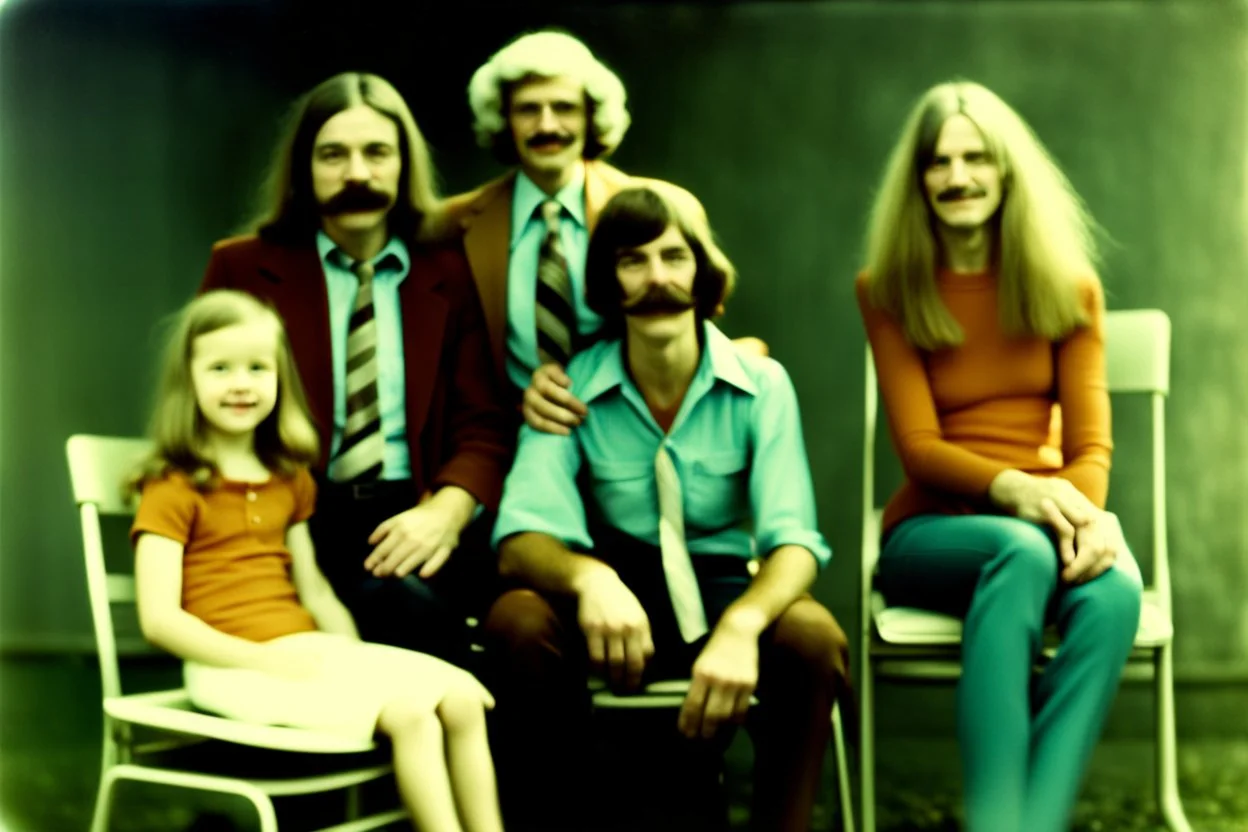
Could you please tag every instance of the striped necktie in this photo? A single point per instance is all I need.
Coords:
(360, 455)
(556, 321)
(682, 583)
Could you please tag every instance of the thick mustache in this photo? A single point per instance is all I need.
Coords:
(950, 194)
(547, 138)
(659, 299)
(355, 198)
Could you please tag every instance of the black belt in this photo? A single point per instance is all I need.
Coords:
(361, 491)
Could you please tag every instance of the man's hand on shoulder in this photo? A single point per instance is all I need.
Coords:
(548, 405)
(750, 345)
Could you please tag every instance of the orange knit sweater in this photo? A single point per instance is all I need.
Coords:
(959, 417)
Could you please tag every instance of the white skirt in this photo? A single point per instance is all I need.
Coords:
(357, 679)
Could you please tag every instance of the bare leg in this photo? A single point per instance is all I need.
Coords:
(420, 765)
(468, 759)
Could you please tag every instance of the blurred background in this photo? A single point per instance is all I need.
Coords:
(134, 133)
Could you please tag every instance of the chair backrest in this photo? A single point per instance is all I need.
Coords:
(1137, 360)
(97, 467)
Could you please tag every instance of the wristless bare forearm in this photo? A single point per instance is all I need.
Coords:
(545, 564)
(785, 575)
(192, 639)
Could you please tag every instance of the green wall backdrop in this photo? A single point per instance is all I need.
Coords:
(132, 135)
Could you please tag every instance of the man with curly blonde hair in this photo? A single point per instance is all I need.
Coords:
(546, 105)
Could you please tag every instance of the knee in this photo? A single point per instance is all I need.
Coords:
(807, 633)
(1114, 598)
(461, 708)
(1029, 554)
(402, 717)
(520, 618)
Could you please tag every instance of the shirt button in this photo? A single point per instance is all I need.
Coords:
(255, 519)
(251, 496)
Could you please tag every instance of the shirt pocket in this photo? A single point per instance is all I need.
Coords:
(716, 488)
(623, 491)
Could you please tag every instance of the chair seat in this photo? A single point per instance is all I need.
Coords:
(171, 710)
(668, 693)
(912, 626)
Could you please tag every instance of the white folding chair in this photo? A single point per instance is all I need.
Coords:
(671, 694)
(908, 643)
(97, 465)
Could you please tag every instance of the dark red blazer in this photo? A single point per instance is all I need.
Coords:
(458, 432)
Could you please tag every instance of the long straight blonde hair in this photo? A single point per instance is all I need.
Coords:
(1044, 244)
(284, 441)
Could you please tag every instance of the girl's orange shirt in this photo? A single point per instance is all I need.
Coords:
(959, 417)
(235, 567)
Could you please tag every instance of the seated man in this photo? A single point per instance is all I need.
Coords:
(635, 533)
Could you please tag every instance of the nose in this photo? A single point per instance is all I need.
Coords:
(959, 174)
(659, 271)
(547, 121)
(357, 170)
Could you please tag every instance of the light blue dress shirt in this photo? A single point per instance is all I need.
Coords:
(736, 443)
(528, 229)
(390, 268)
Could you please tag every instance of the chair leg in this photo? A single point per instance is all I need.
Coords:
(1168, 799)
(866, 741)
(202, 782)
(103, 800)
(104, 796)
(842, 772)
(353, 802)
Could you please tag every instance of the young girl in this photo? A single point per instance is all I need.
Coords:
(227, 578)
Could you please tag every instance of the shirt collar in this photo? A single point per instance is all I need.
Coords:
(720, 361)
(393, 257)
(528, 196)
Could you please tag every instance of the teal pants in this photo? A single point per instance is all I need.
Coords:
(1025, 742)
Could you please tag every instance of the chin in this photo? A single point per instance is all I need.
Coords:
(366, 221)
(662, 328)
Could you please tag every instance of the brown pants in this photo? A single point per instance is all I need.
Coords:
(539, 670)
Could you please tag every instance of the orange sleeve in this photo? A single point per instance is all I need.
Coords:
(305, 495)
(168, 507)
(929, 461)
(1083, 393)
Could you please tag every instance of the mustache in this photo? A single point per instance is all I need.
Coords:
(950, 194)
(356, 197)
(547, 138)
(658, 299)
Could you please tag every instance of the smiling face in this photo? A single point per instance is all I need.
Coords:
(548, 119)
(356, 166)
(234, 373)
(963, 181)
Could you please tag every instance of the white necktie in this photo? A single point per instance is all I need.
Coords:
(682, 584)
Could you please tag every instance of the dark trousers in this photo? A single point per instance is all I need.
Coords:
(538, 669)
(424, 615)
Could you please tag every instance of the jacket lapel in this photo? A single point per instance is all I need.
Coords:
(601, 183)
(424, 312)
(487, 242)
(299, 293)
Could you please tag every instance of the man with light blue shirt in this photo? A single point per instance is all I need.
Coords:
(390, 342)
(546, 105)
(632, 538)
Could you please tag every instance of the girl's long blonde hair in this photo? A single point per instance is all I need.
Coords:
(1044, 244)
(284, 441)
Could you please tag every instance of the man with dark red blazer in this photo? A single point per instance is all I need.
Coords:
(390, 340)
